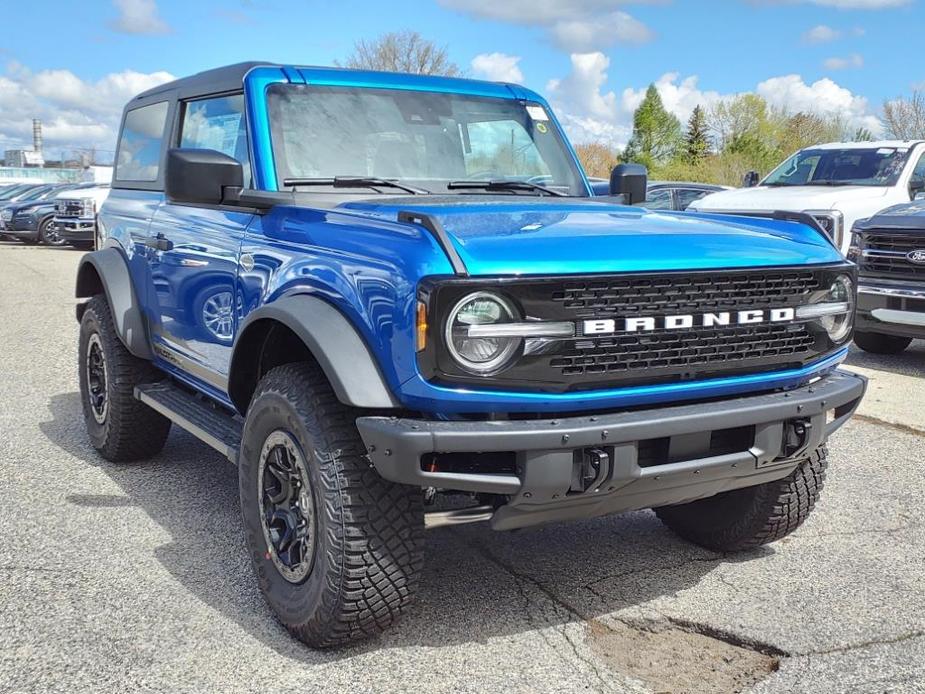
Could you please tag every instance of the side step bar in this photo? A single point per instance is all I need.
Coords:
(220, 430)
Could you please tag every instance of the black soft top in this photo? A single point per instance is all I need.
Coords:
(910, 215)
(222, 79)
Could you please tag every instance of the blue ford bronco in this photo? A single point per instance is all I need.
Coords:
(393, 302)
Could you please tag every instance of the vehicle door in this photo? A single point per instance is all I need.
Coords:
(194, 267)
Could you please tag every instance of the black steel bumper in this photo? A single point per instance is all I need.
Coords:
(891, 307)
(550, 480)
(76, 229)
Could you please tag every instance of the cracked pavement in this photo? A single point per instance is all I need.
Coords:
(134, 577)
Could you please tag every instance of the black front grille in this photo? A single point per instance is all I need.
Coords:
(623, 357)
(692, 349)
(617, 297)
(885, 254)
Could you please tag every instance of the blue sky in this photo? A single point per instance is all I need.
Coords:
(593, 58)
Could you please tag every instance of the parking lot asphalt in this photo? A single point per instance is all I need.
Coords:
(135, 577)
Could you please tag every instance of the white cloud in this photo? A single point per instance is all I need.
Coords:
(821, 34)
(138, 17)
(855, 60)
(498, 67)
(824, 97)
(75, 113)
(577, 26)
(590, 111)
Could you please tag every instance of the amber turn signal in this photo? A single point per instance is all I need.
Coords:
(421, 326)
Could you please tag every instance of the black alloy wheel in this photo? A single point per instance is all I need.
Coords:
(287, 506)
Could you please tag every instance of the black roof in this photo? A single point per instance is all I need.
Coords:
(220, 79)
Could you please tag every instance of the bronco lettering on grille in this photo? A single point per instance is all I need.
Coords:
(635, 324)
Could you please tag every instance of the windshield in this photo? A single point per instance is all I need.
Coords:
(424, 140)
(14, 190)
(848, 167)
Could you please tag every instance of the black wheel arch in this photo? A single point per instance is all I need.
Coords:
(304, 327)
(106, 272)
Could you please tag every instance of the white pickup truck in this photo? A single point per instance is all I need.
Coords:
(837, 183)
(76, 214)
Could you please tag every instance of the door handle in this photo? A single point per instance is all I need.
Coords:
(158, 242)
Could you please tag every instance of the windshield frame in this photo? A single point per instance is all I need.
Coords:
(570, 167)
(790, 163)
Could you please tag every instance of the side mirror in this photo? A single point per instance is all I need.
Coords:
(201, 176)
(751, 179)
(916, 188)
(630, 181)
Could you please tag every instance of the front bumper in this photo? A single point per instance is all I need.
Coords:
(76, 229)
(891, 307)
(548, 481)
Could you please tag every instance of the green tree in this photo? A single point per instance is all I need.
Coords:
(656, 133)
(697, 139)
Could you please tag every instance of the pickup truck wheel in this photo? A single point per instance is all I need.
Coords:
(121, 428)
(746, 518)
(337, 549)
(878, 343)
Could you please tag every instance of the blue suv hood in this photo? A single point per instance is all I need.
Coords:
(548, 236)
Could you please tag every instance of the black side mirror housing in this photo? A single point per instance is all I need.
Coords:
(630, 181)
(201, 176)
(751, 179)
(916, 188)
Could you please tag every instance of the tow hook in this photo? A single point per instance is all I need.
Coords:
(591, 467)
(797, 434)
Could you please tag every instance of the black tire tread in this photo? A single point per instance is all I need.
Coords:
(133, 431)
(774, 510)
(376, 550)
(880, 343)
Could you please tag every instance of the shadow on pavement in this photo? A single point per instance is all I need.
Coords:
(477, 585)
(910, 362)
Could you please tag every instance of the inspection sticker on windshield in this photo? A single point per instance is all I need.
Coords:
(537, 113)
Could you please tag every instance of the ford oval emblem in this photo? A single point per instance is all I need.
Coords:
(916, 257)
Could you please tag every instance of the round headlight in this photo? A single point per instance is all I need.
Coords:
(480, 354)
(838, 325)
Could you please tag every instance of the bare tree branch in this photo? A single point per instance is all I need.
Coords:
(402, 51)
(904, 118)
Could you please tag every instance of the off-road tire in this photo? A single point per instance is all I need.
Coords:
(746, 518)
(131, 430)
(369, 532)
(879, 343)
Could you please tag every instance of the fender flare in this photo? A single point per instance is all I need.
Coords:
(340, 351)
(110, 266)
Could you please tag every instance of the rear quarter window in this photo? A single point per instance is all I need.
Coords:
(139, 157)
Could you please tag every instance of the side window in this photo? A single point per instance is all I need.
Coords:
(917, 182)
(139, 157)
(217, 124)
(657, 200)
(687, 195)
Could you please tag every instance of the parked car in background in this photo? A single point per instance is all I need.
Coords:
(837, 183)
(76, 214)
(23, 192)
(666, 195)
(33, 221)
(889, 249)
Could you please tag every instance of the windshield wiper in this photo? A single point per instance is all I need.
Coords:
(502, 185)
(354, 182)
(824, 182)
